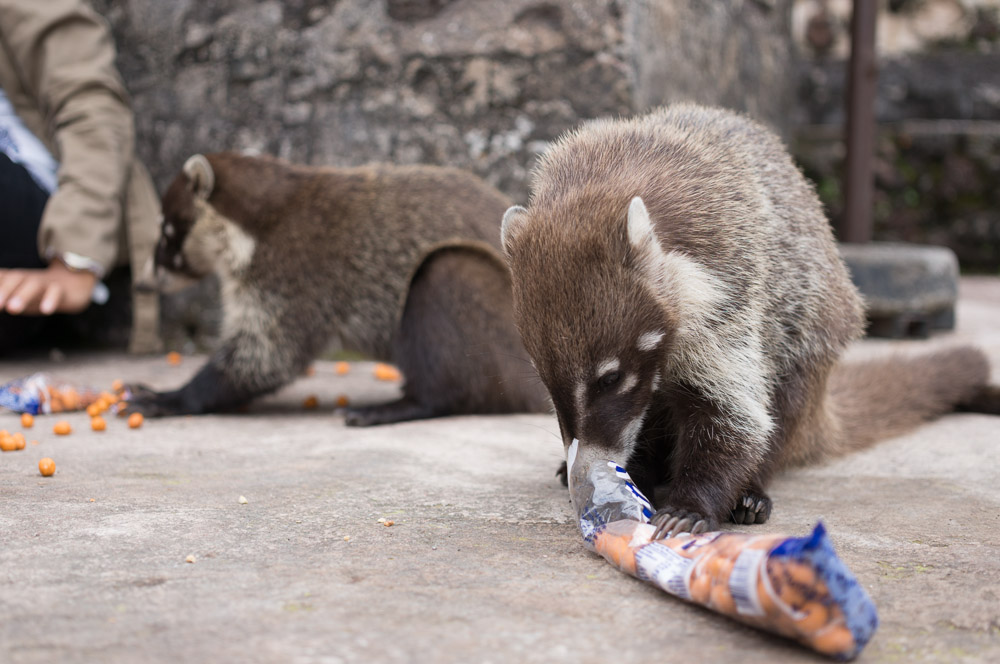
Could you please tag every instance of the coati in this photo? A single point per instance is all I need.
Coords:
(681, 295)
(402, 263)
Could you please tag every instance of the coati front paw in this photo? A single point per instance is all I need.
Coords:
(670, 521)
(754, 506)
(149, 402)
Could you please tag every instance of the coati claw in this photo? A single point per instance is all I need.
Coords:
(753, 507)
(670, 522)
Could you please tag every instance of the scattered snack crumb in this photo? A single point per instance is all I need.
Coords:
(388, 523)
(342, 368)
(98, 424)
(347, 538)
(27, 420)
(135, 420)
(62, 428)
(310, 402)
(92, 499)
(381, 520)
(173, 358)
(387, 372)
(243, 500)
(190, 559)
(342, 401)
(34, 442)
(47, 467)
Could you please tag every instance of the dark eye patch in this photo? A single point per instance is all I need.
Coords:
(609, 379)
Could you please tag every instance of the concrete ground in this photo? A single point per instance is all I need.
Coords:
(483, 562)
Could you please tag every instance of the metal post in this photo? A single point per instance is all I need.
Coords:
(859, 180)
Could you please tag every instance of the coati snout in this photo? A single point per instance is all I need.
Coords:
(401, 264)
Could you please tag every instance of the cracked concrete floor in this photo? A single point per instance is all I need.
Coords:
(483, 562)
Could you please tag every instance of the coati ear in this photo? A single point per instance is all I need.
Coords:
(201, 175)
(640, 227)
(513, 219)
(642, 237)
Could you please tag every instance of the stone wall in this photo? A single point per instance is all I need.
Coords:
(478, 84)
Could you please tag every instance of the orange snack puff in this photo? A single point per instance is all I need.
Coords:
(793, 586)
(27, 420)
(387, 372)
(47, 467)
(62, 428)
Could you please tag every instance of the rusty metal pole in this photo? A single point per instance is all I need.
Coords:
(859, 179)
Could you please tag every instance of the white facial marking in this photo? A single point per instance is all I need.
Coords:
(630, 433)
(168, 230)
(607, 366)
(656, 381)
(628, 383)
(649, 340)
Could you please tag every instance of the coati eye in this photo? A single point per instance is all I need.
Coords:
(609, 379)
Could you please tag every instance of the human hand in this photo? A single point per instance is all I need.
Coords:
(53, 289)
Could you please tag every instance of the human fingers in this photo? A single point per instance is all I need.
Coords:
(9, 280)
(24, 298)
(51, 298)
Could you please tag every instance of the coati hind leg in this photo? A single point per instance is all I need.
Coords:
(457, 345)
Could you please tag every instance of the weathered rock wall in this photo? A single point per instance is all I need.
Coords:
(477, 84)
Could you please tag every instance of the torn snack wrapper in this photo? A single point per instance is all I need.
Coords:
(793, 586)
(40, 394)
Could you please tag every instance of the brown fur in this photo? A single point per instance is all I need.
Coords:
(309, 254)
(727, 253)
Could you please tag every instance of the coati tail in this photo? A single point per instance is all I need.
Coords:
(879, 399)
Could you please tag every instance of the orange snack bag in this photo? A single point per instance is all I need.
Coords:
(793, 586)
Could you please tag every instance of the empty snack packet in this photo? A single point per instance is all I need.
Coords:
(41, 394)
(793, 586)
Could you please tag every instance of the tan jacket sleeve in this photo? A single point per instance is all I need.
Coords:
(63, 53)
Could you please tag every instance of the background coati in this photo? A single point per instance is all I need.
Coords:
(680, 292)
(398, 262)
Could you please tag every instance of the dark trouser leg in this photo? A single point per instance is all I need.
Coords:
(22, 202)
